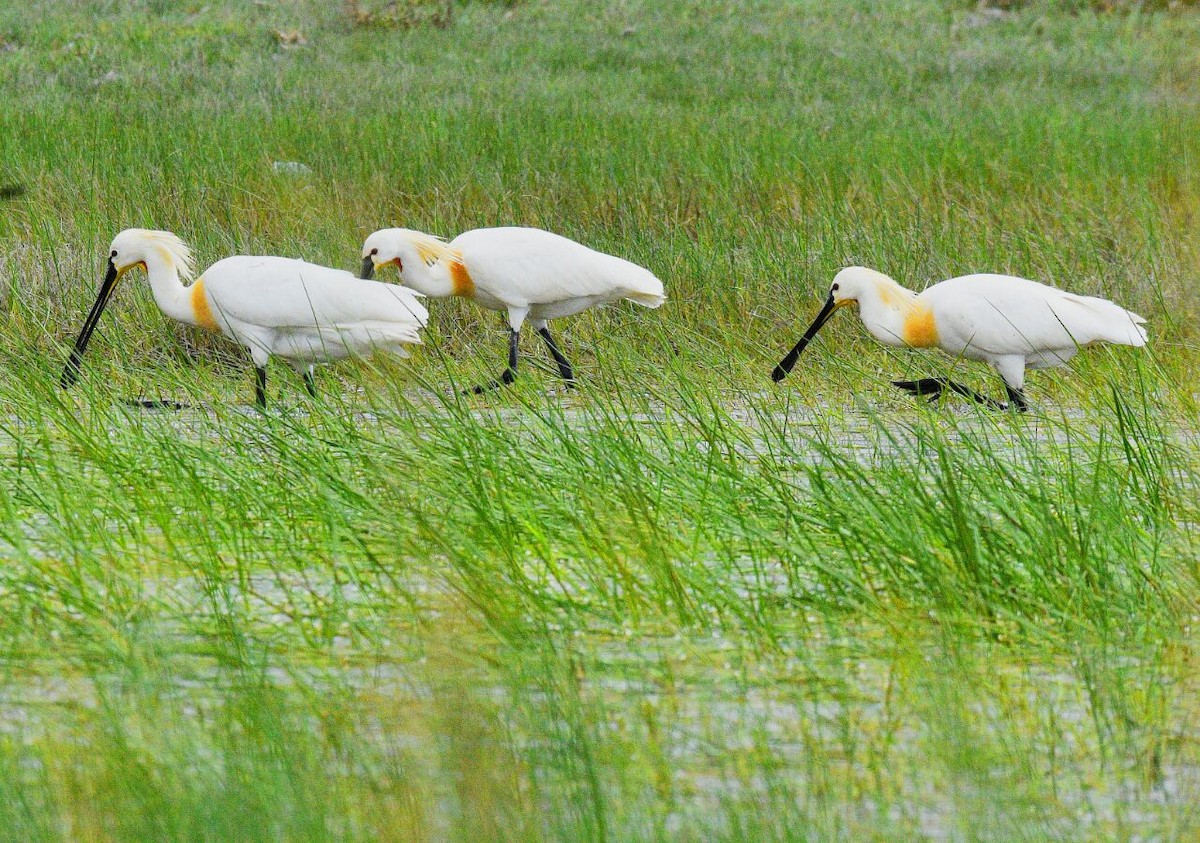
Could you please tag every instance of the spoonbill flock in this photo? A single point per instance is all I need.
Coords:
(308, 314)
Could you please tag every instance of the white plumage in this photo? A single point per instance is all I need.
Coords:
(272, 306)
(515, 268)
(1011, 323)
(530, 273)
(306, 313)
(1016, 324)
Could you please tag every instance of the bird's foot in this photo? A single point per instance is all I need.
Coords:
(1016, 400)
(154, 404)
(934, 387)
(504, 380)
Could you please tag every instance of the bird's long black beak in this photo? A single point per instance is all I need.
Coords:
(786, 364)
(70, 372)
(368, 268)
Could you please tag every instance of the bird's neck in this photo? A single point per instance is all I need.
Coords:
(895, 317)
(447, 277)
(172, 298)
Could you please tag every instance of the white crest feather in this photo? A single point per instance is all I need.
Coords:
(175, 249)
(430, 248)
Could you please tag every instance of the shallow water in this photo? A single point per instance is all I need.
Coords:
(868, 726)
(729, 722)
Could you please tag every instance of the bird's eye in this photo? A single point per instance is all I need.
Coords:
(114, 253)
(833, 289)
(374, 251)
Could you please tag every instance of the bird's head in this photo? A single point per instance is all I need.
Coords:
(413, 253)
(135, 246)
(131, 248)
(855, 283)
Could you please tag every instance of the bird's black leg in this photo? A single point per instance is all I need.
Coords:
(508, 375)
(1016, 399)
(934, 387)
(260, 387)
(967, 392)
(931, 387)
(309, 383)
(564, 365)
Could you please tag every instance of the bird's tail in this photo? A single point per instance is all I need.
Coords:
(647, 299)
(644, 288)
(393, 336)
(1136, 334)
(1114, 324)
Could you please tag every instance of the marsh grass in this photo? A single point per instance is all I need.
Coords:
(397, 14)
(679, 601)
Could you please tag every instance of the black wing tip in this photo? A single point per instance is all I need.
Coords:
(778, 374)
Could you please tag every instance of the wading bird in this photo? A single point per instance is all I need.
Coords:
(272, 306)
(531, 273)
(1011, 323)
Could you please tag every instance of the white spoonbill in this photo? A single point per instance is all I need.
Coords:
(1011, 323)
(272, 306)
(531, 273)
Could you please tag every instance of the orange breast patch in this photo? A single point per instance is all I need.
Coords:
(461, 279)
(201, 309)
(920, 329)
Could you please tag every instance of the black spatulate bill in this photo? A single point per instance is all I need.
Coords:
(70, 372)
(787, 363)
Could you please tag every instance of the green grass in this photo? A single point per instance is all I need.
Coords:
(680, 602)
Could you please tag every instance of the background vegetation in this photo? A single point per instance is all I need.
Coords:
(681, 602)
